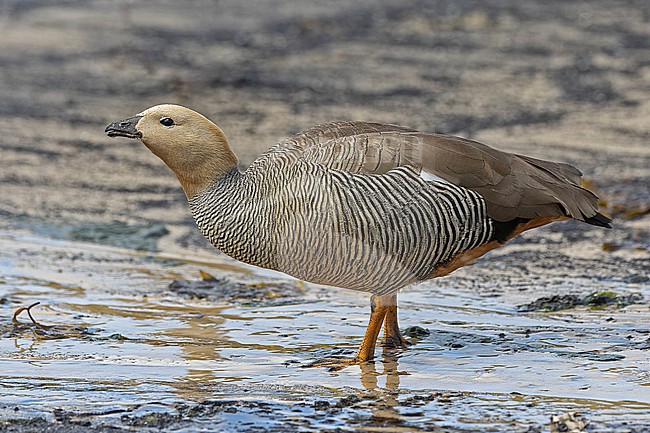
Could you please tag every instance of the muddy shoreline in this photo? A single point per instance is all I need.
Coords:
(98, 230)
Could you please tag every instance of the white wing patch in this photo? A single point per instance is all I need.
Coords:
(429, 177)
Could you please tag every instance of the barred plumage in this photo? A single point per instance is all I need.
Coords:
(374, 233)
(346, 204)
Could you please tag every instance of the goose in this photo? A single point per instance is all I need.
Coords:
(358, 205)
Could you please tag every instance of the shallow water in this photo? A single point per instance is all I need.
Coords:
(124, 349)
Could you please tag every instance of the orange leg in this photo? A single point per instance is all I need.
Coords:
(392, 336)
(383, 311)
(378, 307)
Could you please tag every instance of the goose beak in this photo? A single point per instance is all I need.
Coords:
(124, 128)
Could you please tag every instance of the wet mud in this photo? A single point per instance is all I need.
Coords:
(115, 346)
(142, 326)
(593, 300)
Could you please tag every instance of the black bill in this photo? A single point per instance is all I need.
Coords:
(124, 128)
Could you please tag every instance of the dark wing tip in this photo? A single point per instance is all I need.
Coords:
(599, 220)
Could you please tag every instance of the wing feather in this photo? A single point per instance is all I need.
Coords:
(513, 186)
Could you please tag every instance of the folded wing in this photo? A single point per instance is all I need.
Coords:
(513, 186)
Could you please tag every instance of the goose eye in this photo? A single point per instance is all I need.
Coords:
(167, 121)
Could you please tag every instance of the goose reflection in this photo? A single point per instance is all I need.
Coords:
(386, 397)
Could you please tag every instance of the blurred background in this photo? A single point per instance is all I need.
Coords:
(561, 80)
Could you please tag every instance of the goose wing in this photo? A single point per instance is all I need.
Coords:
(513, 186)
